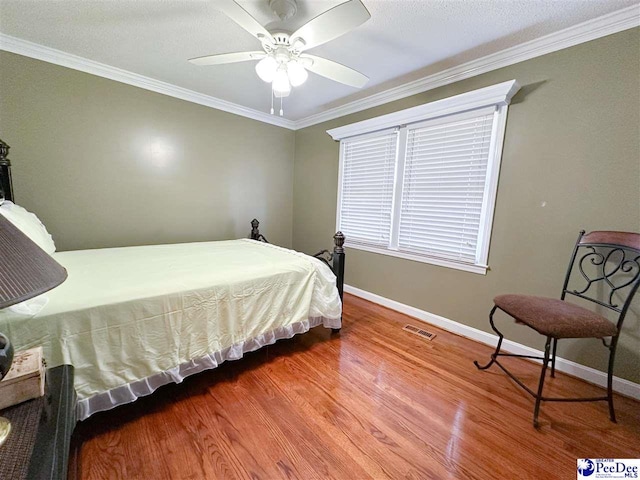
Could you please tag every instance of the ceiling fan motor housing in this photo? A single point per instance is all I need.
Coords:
(285, 9)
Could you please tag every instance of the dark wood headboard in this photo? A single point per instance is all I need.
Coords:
(6, 185)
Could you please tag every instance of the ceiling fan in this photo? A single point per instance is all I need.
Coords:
(283, 61)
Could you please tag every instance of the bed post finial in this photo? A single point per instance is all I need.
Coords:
(4, 151)
(255, 232)
(6, 186)
(338, 241)
(254, 229)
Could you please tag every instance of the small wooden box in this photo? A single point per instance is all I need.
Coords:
(25, 379)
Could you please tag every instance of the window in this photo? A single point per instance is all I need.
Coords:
(421, 183)
(369, 164)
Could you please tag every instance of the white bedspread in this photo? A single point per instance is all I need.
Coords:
(132, 319)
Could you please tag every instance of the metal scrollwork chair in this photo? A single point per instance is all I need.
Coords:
(605, 269)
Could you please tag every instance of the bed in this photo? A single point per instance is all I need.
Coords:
(135, 318)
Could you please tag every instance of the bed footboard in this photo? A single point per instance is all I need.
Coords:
(335, 260)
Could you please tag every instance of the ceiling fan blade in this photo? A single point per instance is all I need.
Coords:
(331, 24)
(239, 15)
(227, 58)
(334, 71)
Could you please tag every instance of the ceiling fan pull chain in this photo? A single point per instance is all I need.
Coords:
(272, 100)
(281, 111)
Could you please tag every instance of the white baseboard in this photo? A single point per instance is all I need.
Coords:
(591, 375)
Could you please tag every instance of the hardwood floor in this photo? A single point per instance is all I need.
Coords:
(373, 402)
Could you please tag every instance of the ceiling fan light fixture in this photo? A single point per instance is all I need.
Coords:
(281, 85)
(284, 62)
(267, 68)
(297, 73)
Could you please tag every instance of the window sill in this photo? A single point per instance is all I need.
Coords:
(440, 262)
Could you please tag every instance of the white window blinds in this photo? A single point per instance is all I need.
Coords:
(444, 186)
(367, 186)
(421, 183)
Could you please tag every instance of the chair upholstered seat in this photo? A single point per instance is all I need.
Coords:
(608, 263)
(556, 318)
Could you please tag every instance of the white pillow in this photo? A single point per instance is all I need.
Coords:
(31, 307)
(29, 224)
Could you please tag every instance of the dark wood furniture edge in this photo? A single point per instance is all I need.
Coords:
(6, 184)
(50, 457)
(335, 260)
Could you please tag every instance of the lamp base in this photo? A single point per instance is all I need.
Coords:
(5, 429)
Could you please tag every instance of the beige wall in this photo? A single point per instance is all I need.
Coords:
(572, 141)
(107, 164)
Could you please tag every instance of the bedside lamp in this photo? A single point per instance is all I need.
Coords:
(26, 271)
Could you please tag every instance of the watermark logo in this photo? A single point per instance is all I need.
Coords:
(608, 468)
(586, 467)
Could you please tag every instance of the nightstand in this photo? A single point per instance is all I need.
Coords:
(38, 446)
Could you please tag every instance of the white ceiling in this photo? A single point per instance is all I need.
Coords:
(404, 39)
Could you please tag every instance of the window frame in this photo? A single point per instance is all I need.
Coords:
(497, 96)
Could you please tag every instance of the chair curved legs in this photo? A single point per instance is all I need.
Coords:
(550, 351)
(610, 254)
(545, 363)
(553, 358)
(612, 357)
(500, 337)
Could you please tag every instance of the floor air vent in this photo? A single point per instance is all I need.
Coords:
(419, 331)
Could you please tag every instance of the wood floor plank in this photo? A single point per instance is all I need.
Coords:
(372, 402)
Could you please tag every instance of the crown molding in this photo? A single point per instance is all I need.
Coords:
(58, 57)
(590, 30)
(583, 32)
